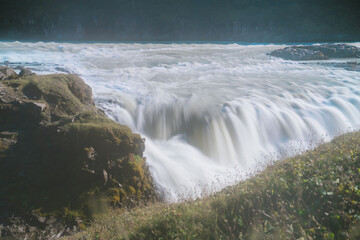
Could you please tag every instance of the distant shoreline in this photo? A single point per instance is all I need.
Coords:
(180, 42)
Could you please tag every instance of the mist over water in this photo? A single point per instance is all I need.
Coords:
(210, 113)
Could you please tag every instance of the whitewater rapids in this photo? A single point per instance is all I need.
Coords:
(211, 113)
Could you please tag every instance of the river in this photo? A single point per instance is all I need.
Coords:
(212, 114)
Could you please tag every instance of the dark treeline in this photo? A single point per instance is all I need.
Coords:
(181, 20)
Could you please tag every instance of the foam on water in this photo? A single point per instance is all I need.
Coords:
(210, 113)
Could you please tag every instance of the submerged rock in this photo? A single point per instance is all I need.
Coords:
(349, 66)
(64, 159)
(317, 52)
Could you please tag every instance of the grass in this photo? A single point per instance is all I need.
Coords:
(315, 195)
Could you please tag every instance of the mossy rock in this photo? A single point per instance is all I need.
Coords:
(64, 95)
(67, 154)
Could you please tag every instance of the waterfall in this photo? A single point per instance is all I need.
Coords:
(211, 114)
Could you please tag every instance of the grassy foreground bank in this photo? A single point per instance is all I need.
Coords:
(315, 195)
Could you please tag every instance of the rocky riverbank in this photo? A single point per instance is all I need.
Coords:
(61, 159)
(313, 196)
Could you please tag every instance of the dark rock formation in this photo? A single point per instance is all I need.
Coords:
(317, 52)
(336, 50)
(61, 158)
(7, 73)
(25, 72)
(298, 54)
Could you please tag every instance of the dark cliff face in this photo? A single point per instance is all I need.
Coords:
(185, 20)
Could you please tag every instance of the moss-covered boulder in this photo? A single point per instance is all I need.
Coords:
(61, 157)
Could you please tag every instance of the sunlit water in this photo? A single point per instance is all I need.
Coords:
(210, 113)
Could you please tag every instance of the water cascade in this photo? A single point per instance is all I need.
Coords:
(211, 113)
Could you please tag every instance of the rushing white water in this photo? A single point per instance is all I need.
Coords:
(210, 113)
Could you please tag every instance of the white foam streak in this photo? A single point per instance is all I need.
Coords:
(209, 112)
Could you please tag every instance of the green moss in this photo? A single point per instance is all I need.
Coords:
(132, 190)
(114, 131)
(138, 159)
(123, 195)
(3, 146)
(114, 195)
(55, 91)
(137, 166)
